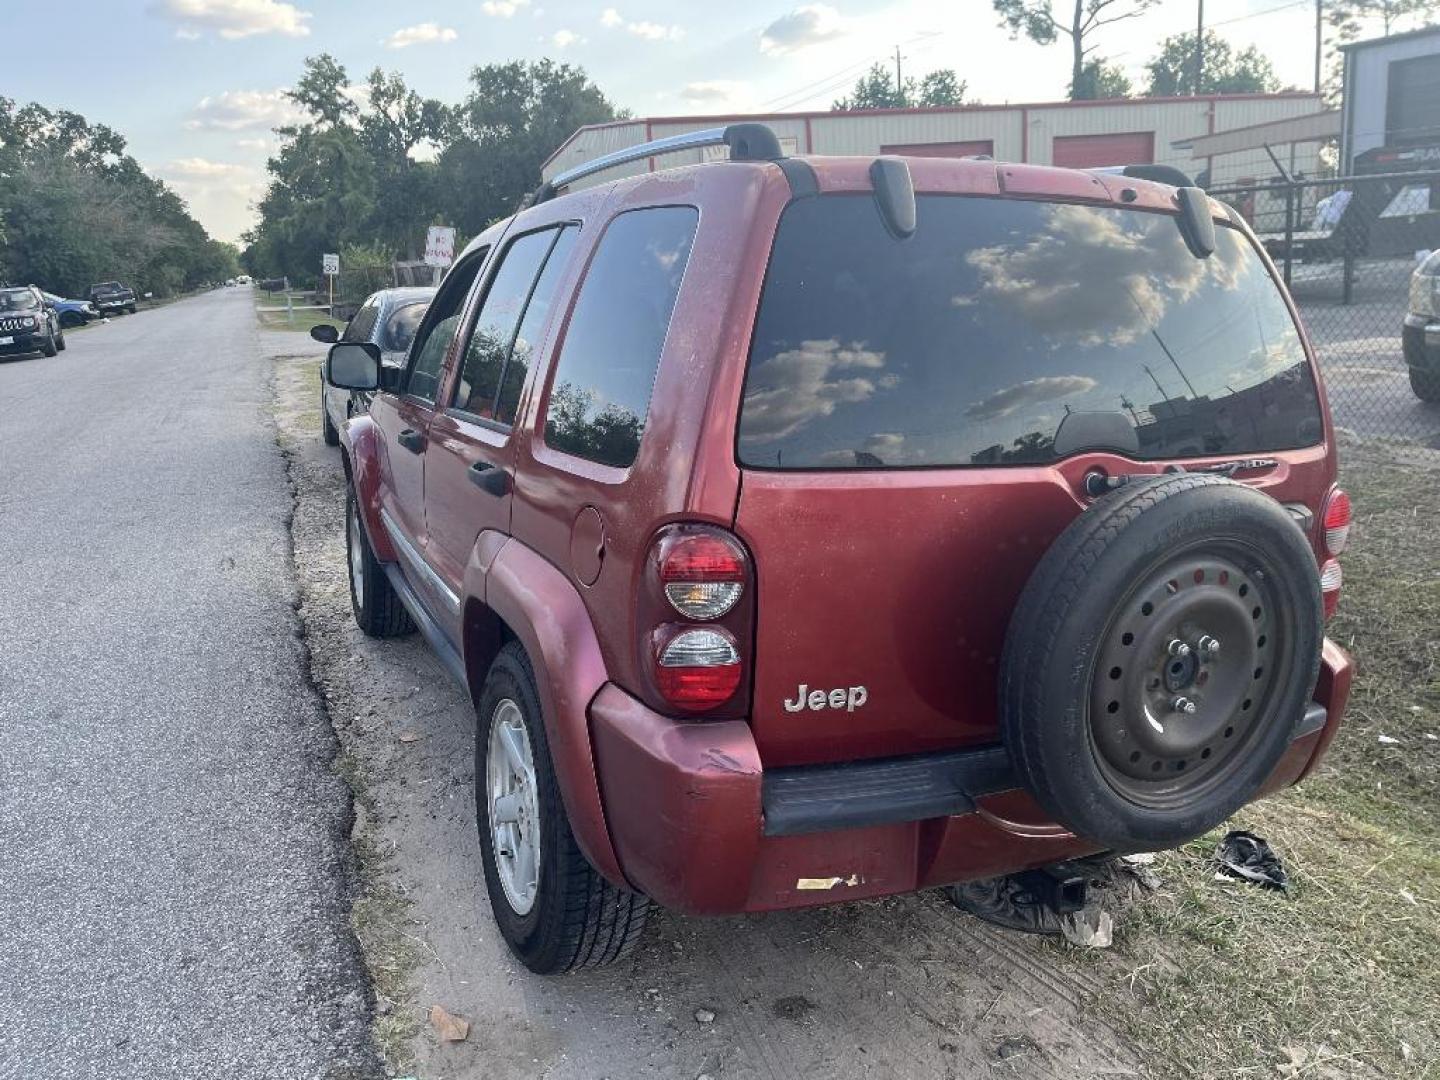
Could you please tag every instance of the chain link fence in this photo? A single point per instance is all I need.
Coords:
(1348, 248)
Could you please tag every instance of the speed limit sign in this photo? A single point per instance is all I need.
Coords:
(330, 264)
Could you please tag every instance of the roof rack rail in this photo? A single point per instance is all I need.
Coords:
(747, 142)
(1164, 174)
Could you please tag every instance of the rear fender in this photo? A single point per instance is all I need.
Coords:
(537, 602)
(360, 443)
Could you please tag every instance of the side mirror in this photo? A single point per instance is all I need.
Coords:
(353, 365)
(325, 333)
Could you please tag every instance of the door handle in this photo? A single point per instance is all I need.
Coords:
(412, 440)
(488, 478)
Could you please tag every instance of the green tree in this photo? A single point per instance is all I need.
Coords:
(876, 89)
(1349, 17)
(1036, 20)
(499, 136)
(1099, 80)
(1223, 69)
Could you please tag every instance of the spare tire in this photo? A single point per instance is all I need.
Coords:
(1159, 660)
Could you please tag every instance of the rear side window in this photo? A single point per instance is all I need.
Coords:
(601, 392)
(1011, 332)
(400, 327)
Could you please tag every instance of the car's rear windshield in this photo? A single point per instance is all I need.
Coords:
(1012, 332)
(17, 300)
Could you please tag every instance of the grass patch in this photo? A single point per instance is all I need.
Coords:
(1341, 978)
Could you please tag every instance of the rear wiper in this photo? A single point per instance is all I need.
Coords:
(1230, 468)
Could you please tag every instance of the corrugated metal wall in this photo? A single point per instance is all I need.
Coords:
(1019, 132)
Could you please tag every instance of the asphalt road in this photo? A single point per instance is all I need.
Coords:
(174, 857)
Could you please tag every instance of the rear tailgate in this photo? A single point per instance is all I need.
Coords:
(918, 417)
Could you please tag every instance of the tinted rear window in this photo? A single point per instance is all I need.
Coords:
(1010, 332)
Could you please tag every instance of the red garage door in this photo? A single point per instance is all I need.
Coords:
(941, 149)
(1090, 151)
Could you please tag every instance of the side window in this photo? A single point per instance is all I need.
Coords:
(494, 330)
(360, 327)
(522, 353)
(427, 351)
(601, 392)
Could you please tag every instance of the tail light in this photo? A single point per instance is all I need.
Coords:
(1337, 521)
(1335, 524)
(695, 614)
(1331, 578)
(698, 669)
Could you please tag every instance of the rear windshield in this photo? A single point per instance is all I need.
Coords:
(1010, 332)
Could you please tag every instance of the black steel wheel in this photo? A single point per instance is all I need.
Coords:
(1159, 659)
(1193, 657)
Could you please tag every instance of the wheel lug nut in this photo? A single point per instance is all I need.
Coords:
(1208, 645)
(1182, 705)
(1179, 648)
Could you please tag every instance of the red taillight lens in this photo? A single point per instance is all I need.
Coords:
(1331, 579)
(697, 669)
(1336, 519)
(703, 574)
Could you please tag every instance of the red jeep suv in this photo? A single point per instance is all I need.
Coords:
(811, 529)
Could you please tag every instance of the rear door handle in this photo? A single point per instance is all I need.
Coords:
(488, 478)
(412, 440)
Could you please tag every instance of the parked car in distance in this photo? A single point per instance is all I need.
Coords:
(387, 319)
(814, 529)
(72, 312)
(1420, 335)
(28, 323)
(112, 298)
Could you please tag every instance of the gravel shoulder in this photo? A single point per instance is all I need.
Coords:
(900, 987)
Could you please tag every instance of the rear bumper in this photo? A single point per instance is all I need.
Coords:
(698, 825)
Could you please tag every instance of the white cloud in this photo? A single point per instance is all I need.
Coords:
(648, 31)
(220, 194)
(503, 9)
(426, 33)
(654, 31)
(253, 144)
(801, 28)
(243, 110)
(563, 39)
(794, 387)
(714, 92)
(233, 18)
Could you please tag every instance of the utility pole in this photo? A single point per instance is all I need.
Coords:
(1200, 46)
(899, 86)
(1319, 39)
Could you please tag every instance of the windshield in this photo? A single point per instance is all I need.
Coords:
(18, 300)
(1014, 332)
(106, 286)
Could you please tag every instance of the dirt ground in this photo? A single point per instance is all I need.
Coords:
(903, 987)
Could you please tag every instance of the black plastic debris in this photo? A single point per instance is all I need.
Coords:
(1248, 857)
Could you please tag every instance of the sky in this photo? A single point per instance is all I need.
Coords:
(196, 85)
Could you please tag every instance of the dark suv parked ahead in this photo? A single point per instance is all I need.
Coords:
(112, 298)
(815, 529)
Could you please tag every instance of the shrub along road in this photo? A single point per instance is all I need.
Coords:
(173, 842)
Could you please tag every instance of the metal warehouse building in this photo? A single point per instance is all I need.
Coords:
(1078, 134)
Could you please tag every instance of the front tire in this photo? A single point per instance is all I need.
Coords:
(60, 341)
(50, 348)
(555, 912)
(1425, 384)
(132, 309)
(378, 610)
